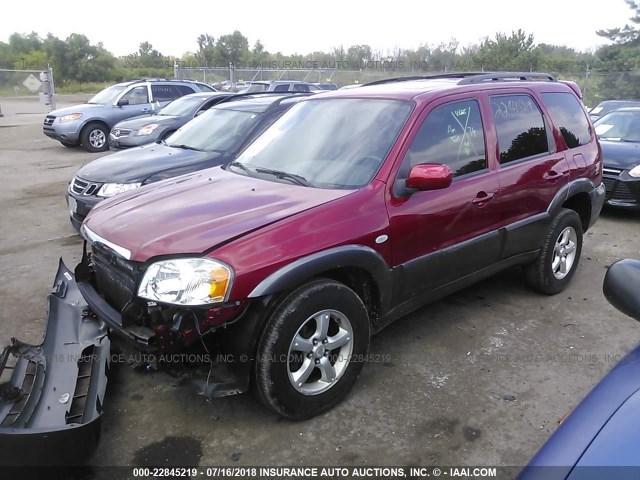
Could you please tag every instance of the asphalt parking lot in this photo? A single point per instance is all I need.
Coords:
(479, 378)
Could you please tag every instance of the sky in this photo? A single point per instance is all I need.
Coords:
(172, 27)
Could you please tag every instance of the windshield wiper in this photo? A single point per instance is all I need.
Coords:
(240, 166)
(299, 179)
(187, 147)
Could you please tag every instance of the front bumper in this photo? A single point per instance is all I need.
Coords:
(623, 190)
(68, 132)
(79, 207)
(51, 395)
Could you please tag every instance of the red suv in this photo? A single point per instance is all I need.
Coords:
(353, 209)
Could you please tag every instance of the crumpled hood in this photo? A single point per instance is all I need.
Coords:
(137, 164)
(197, 212)
(622, 155)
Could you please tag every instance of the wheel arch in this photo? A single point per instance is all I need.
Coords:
(575, 196)
(91, 122)
(359, 267)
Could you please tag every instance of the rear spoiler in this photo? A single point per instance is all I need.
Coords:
(574, 86)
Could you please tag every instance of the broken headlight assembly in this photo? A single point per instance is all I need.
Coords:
(187, 281)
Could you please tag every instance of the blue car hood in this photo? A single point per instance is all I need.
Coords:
(610, 410)
(85, 108)
(622, 155)
(138, 164)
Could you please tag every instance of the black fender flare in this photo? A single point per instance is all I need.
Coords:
(580, 185)
(302, 269)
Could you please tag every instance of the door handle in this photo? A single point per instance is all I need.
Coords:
(482, 198)
(551, 176)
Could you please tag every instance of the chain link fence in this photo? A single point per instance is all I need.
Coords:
(30, 91)
(596, 86)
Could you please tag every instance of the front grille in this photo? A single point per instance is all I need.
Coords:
(611, 171)
(115, 277)
(617, 190)
(48, 120)
(82, 187)
(121, 132)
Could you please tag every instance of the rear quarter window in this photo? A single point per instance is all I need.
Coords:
(520, 127)
(567, 114)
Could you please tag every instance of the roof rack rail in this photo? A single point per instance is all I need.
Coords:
(435, 76)
(507, 77)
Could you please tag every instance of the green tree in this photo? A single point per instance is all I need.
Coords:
(232, 47)
(514, 52)
(206, 54)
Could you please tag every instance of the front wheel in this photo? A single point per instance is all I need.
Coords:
(560, 254)
(95, 138)
(312, 350)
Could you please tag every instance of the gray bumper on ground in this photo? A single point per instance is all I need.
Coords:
(51, 395)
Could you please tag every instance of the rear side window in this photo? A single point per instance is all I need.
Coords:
(281, 88)
(567, 115)
(452, 134)
(184, 90)
(520, 127)
(165, 93)
(205, 88)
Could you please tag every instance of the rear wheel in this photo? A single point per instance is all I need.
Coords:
(95, 138)
(560, 254)
(312, 350)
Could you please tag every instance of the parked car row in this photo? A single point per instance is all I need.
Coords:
(327, 217)
(89, 124)
(213, 138)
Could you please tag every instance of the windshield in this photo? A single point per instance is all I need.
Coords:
(619, 126)
(182, 106)
(336, 143)
(216, 129)
(108, 95)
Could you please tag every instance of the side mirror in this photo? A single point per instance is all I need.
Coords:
(122, 102)
(429, 176)
(622, 287)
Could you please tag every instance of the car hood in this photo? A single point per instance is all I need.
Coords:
(617, 443)
(197, 212)
(81, 108)
(622, 155)
(138, 164)
(611, 411)
(136, 123)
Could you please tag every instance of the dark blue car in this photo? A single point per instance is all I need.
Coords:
(211, 139)
(600, 440)
(619, 134)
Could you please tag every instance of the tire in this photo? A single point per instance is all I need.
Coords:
(279, 362)
(69, 145)
(95, 138)
(563, 241)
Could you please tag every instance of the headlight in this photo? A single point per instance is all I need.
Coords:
(111, 189)
(635, 171)
(69, 118)
(186, 281)
(147, 129)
